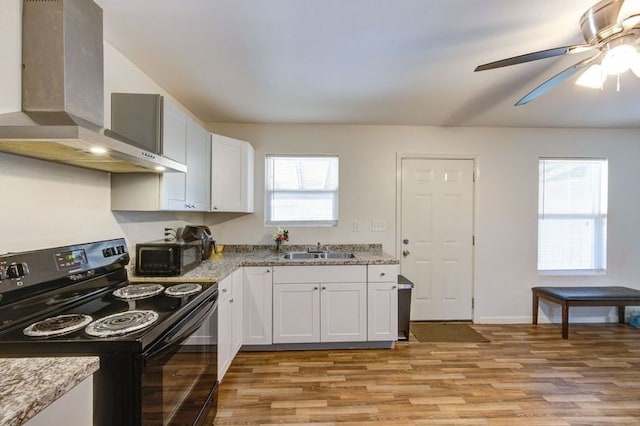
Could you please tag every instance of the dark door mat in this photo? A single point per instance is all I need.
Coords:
(445, 332)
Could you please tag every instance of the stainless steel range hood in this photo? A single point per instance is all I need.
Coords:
(62, 114)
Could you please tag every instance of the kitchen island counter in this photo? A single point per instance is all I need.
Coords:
(219, 266)
(29, 385)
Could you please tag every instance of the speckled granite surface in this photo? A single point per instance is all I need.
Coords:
(219, 266)
(28, 385)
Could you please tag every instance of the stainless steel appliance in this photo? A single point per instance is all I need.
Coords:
(200, 233)
(167, 258)
(157, 343)
(62, 114)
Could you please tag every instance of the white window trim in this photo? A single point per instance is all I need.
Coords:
(298, 223)
(599, 222)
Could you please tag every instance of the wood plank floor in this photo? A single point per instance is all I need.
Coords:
(525, 375)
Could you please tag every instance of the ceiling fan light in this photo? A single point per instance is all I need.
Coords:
(619, 59)
(593, 77)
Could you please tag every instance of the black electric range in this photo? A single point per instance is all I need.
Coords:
(157, 342)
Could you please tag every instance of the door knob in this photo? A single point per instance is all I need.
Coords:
(405, 241)
(405, 253)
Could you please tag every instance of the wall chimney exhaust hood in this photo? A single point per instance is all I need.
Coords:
(63, 94)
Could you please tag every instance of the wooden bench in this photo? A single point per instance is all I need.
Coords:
(585, 296)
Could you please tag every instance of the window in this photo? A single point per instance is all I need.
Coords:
(572, 215)
(301, 190)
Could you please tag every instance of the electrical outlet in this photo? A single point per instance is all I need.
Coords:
(357, 226)
(378, 226)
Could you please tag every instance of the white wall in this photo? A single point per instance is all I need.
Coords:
(505, 199)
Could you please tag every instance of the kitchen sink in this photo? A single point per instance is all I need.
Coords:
(323, 255)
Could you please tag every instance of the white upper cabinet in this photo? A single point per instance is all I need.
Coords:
(232, 177)
(182, 139)
(198, 176)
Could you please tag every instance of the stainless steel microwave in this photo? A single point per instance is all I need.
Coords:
(167, 258)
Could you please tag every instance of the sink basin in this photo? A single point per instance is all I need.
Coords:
(305, 255)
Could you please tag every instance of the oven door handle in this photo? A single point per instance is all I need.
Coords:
(184, 328)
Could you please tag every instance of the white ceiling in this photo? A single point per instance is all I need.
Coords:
(393, 62)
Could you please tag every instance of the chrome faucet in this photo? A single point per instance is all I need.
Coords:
(317, 250)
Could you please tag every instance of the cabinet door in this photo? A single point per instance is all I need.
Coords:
(231, 175)
(174, 132)
(224, 337)
(236, 307)
(198, 176)
(343, 316)
(296, 313)
(383, 311)
(174, 146)
(257, 306)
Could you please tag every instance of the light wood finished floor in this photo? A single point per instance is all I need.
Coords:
(525, 375)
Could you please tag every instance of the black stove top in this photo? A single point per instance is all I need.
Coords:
(87, 280)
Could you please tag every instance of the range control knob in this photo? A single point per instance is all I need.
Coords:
(17, 270)
(3, 272)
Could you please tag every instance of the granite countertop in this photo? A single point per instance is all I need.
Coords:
(28, 385)
(219, 266)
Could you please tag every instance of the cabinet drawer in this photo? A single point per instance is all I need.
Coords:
(383, 273)
(320, 274)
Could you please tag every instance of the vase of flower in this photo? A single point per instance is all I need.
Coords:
(280, 237)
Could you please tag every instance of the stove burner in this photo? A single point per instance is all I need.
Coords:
(138, 291)
(56, 326)
(180, 290)
(121, 323)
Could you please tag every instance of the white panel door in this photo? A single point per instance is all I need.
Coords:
(343, 315)
(436, 236)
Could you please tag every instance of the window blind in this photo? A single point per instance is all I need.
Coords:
(572, 214)
(301, 190)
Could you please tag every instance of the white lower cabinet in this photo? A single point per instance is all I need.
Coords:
(343, 312)
(296, 313)
(74, 408)
(257, 305)
(382, 295)
(383, 311)
(237, 311)
(225, 324)
(229, 320)
(314, 304)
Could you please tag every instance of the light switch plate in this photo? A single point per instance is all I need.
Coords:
(357, 226)
(378, 226)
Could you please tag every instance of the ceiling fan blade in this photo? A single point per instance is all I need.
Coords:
(534, 56)
(555, 80)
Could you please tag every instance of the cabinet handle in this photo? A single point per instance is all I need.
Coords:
(231, 300)
(224, 290)
(393, 287)
(268, 270)
(324, 288)
(382, 274)
(315, 288)
(215, 208)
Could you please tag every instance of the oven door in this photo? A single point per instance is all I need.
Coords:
(179, 377)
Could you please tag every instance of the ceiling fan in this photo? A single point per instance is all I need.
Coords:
(611, 28)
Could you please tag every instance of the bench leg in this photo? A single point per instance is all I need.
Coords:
(565, 321)
(621, 314)
(536, 300)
